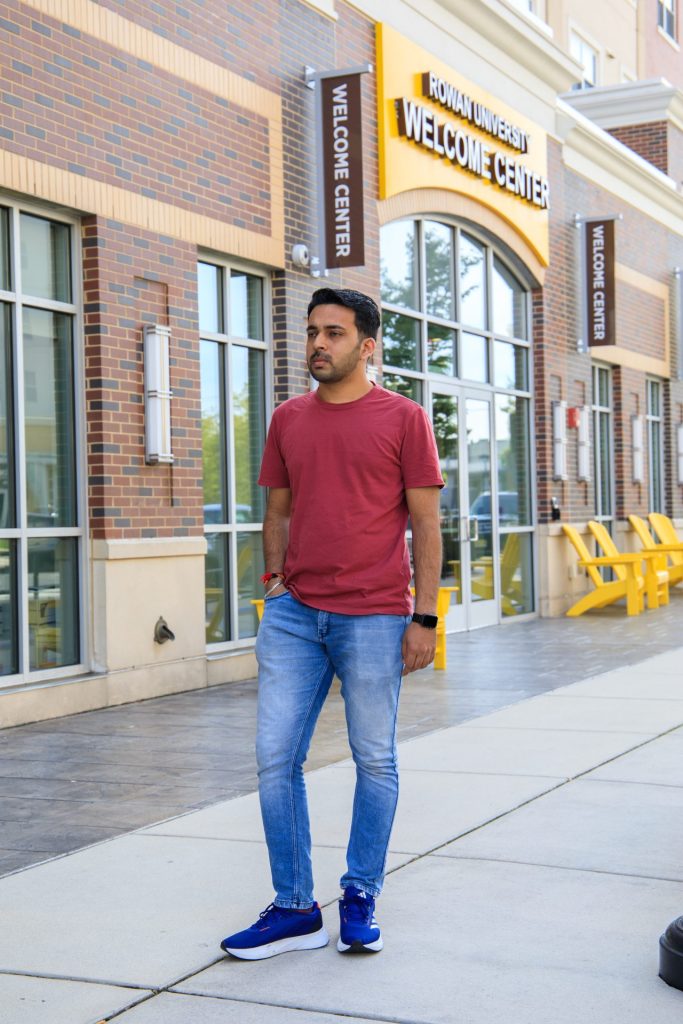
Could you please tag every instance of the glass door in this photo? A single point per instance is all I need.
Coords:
(463, 427)
(479, 522)
(446, 420)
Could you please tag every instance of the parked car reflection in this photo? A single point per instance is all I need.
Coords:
(214, 514)
(508, 510)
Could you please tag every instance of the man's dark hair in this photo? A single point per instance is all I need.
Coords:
(367, 317)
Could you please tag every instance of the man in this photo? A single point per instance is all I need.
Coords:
(344, 465)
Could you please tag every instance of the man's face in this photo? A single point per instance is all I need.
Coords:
(334, 347)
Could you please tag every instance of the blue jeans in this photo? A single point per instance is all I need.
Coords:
(299, 650)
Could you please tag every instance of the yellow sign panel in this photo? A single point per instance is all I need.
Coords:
(439, 130)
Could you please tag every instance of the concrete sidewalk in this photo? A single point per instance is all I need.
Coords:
(535, 861)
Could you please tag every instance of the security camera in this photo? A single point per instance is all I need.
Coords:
(301, 256)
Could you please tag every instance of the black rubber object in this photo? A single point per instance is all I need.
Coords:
(671, 954)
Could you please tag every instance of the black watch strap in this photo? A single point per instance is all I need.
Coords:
(428, 621)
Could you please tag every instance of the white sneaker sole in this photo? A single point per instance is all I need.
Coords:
(359, 947)
(313, 941)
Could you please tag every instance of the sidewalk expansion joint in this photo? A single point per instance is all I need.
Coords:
(504, 814)
(134, 986)
(562, 867)
(342, 1015)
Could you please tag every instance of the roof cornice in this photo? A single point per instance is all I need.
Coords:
(629, 104)
(597, 156)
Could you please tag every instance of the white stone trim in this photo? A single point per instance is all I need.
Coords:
(631, 103)
(597, 156)
(669, 39)
(148, 547)
(491, 30)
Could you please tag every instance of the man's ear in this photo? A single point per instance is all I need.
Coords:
(368, 346)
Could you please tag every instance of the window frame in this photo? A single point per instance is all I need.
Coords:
(17, 300)
(226, 264)
(584, 44)
(430, 382)
(654, 425)
(599, 410)
(426, 377)
(666, 16)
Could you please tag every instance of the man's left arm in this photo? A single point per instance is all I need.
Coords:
(419, 644)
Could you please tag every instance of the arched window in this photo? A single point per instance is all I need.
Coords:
(456, 339)
(451, 307)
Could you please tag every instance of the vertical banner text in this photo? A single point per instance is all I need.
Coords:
(342, 169)
(599, 264)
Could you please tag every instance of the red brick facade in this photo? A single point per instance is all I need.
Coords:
(563, 373)
(98, 112)
(131, 279)
(647, 140)
(81, 105)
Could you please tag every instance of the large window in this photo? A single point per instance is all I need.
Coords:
(233, 352)
(666, 17)
(451, 308)
(41, 535)
(456, 338)
(603, 444)
(655, 451)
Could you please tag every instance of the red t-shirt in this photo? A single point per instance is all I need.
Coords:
(348, 467)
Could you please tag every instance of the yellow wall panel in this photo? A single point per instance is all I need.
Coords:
(407, 164)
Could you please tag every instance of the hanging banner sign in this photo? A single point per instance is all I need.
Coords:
(600, 287)
(342, 161)
(339, 138)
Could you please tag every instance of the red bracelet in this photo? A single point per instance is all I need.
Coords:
(268, 576)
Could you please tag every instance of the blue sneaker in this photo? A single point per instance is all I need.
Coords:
(358, 929)
(278, 930)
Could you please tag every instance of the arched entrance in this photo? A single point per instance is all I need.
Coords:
(457, 339)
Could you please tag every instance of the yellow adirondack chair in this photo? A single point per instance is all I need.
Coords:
(632, 587)
(511, 596)
(675, 568)
(656, 579)
(666, 532)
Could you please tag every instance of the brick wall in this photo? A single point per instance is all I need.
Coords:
(132, 278)
(81, 105)
(77, 103)
(98, 112)
(561, 372)
(675, 152)
(648, 140)
(640, 320)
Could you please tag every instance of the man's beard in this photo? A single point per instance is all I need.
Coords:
(330, 374)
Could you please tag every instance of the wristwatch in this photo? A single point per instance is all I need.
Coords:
(427, 621)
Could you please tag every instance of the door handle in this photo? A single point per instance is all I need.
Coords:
(470, 528)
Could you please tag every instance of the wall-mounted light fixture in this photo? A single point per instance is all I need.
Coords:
(157, 395)
(584, 439)
(559, 440)
(637, 449)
